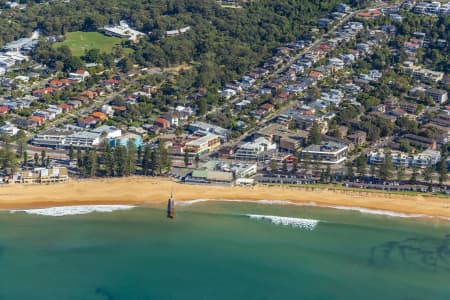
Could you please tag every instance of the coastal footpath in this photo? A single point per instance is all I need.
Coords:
(146, 191)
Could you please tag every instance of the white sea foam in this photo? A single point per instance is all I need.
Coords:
(275, 202)
(374, 211)
(191, 202)
(314, 204)
(287, 221)
(60, 211)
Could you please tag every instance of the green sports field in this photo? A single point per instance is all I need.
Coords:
(79, 41)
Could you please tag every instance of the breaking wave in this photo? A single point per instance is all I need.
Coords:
(374, 211)
(60, 211)
(288, 221)
(361, 210)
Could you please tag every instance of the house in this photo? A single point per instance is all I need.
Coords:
(57, 84)
(100, 116)
(370, 13)
(79, 75)
(75, 103)
(336, 63)
(440, 96)
(87, 122)
(358, 137)
(90, 94)
(242, 104)
(4, 110)
(375, 74)
(176, 32)
(107, 109)
(36, 120)
(43, 91)
(363, 47)
(316, 75)
(162, 123)
(228, 93)
(397, 112)
(343, 8)
(65, 107)
(173, 119)
(266, 107)
(324, 22)
(183, 112)
(119, 108)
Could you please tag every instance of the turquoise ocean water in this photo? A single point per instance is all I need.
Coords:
(215, 251)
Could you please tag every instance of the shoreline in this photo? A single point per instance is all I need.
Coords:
(141, 191)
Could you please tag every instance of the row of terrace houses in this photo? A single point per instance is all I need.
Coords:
(39, 176)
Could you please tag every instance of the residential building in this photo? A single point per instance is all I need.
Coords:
(54, 137)
(79, 75)
(162, 123)
(84, 139)
(9, 129)
(202, 144)
(41, 176)
(206, 127)
(358, 137)
(426, 158)
(398, 158)
(252, 150)
(325, 153)
(440, 96)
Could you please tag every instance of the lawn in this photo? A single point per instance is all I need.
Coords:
(79, 41)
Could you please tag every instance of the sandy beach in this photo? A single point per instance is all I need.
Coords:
(144, 190)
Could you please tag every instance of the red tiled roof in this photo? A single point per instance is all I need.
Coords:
(267, 106)
(161, 120)
(36, 119)
(120, 108)
(65, 106)
(99, 115)
(47, 90)
(88, 120)
(315, 74)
